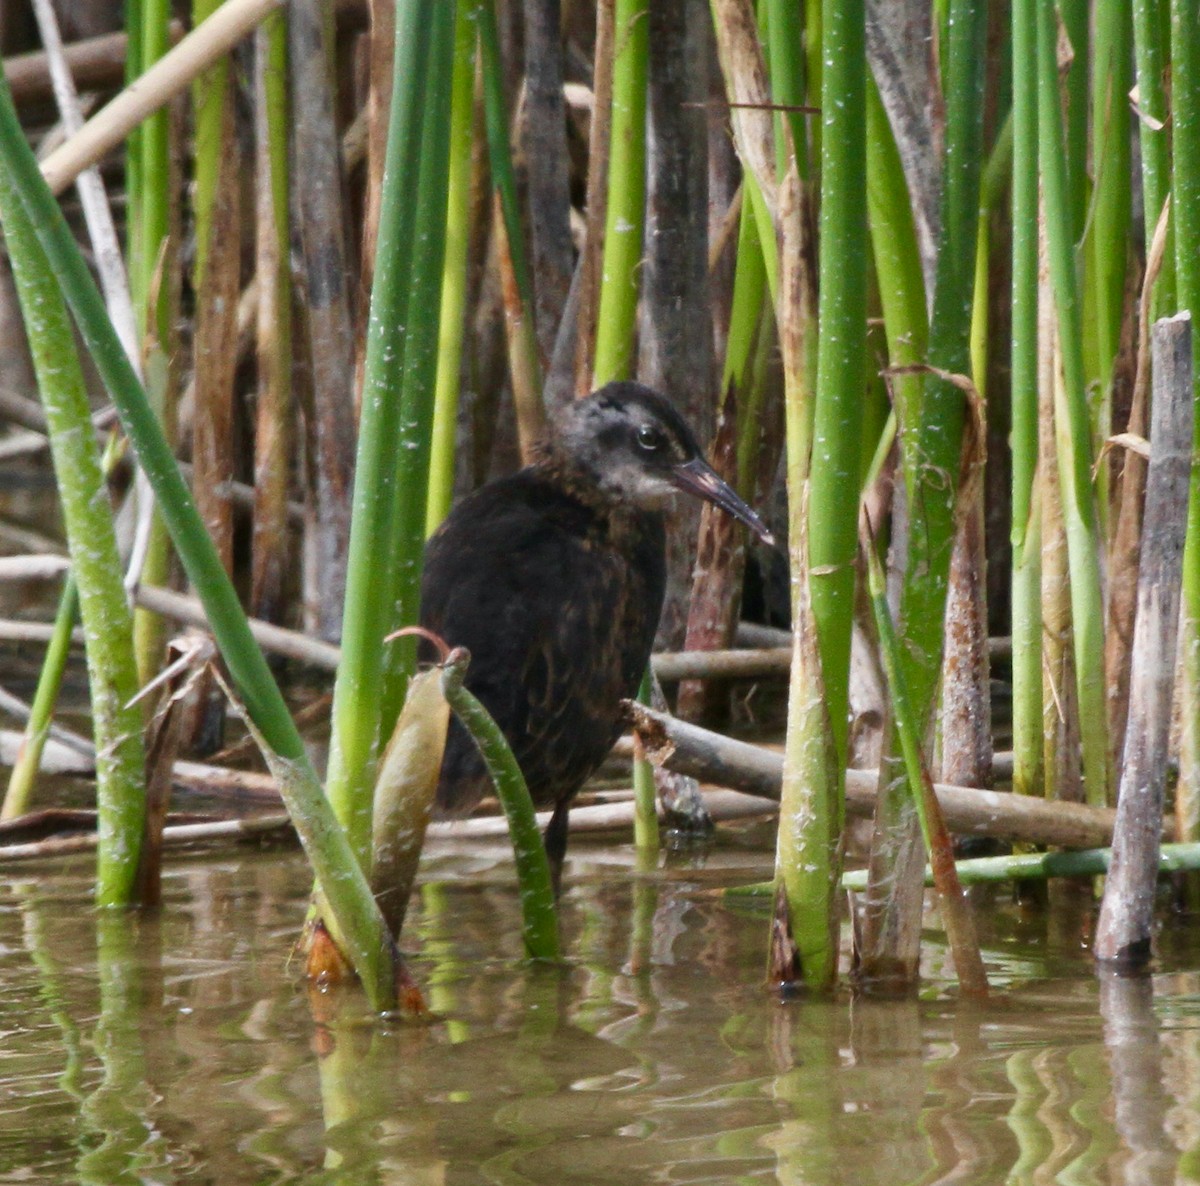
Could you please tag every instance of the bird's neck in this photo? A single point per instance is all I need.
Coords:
(572, 475)
(575, 477)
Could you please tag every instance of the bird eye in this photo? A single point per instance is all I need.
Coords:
(650, 439)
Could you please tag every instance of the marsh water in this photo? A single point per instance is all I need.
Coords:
(183, 1048)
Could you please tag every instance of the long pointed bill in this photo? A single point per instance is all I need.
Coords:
(699, 478)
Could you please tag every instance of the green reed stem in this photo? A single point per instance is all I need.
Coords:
(150, 289)
(1111, 191)
(1073, 424)
(91, 537)
(25, 769)
(1151, 51)
(841, 353)
(1025, 530)
(24, 773)
(358, 690)
(785, 48)
(420, 361)
(454, 271)
(822, 549)
(897, 257)
(626, 210)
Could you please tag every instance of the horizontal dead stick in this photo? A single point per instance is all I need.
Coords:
(276, 827)
(40, 567)
(278, 639)
(95, 63)
(740, 664)
(600, 817)
(753, 634)
(712, 758)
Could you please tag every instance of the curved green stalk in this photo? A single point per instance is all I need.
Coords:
(91, 537)
(1073, 424)
(625, 214)
(533, 868)
(340, 875)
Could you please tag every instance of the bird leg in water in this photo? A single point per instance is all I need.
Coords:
(555, 841)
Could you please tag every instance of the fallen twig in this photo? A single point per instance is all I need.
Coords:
(713, 758)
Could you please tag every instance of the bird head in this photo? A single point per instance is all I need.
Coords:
(636, 448)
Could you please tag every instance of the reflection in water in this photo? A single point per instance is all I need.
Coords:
(1135, 1059)
(182, 1049)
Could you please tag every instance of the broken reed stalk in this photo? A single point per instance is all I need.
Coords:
(1025, 533)
(1185, 198)
(1127, 914)
(539, 914)
(358, 690)
(337, 869)
(91, 536)
(270, 543)
(1073, 427)
(957, 917)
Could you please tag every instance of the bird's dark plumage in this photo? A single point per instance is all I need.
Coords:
(553, 579)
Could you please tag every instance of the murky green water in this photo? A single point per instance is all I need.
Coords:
(184, 1050)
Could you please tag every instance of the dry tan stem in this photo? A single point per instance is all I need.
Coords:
(172, 74)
